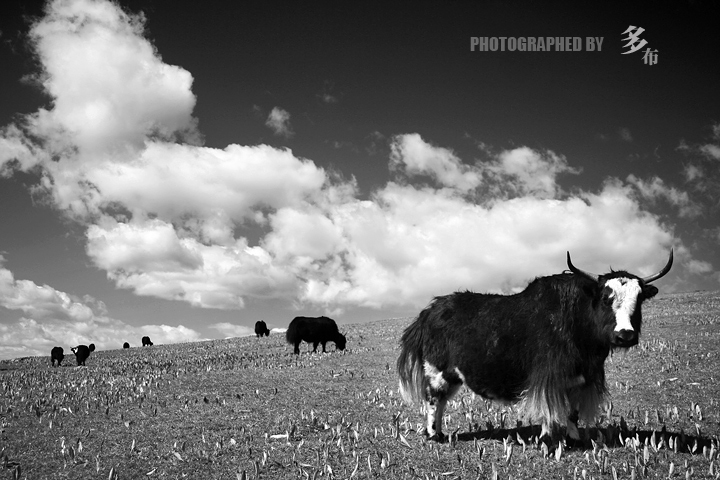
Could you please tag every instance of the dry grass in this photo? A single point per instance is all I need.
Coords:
(248, 408)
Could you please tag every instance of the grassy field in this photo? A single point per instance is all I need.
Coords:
(248, 408)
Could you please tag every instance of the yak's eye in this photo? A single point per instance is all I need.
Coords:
(607, 297)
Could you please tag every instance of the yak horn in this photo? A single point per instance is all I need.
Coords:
(577, 271)
(648, 279)
(662, 272)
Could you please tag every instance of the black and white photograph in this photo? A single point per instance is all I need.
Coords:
(461, 239)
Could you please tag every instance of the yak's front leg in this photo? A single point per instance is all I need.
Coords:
(572, 430)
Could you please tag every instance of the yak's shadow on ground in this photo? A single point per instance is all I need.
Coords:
(612, 436)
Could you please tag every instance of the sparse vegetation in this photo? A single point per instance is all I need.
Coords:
(248, 408)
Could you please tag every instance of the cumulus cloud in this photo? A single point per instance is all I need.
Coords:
(524, 171)
(413, 243)
(699, 267)
(167, 217)
(414, 156)
(279, 122)
(220, 187)
(150, 258)
(227, 329)
(110, 88)
(52, 317)
(655, 188)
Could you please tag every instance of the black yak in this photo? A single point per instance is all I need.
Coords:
(82, 352)
(314, 330)
(261, 329)
(57, 354)
(543, 348)
(146, 342)
(126, 345)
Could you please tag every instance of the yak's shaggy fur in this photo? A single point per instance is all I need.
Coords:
(57, 354)
(82, 352)
(261, 329)
(315, 330)
(543, 349)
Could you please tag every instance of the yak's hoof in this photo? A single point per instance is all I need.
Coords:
(438, 437)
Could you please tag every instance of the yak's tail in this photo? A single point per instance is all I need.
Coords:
(410, 362)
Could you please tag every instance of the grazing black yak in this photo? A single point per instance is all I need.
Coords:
(126, 345)
(56, 354)
(543, 348)
(314, 330)
(82, 352)
(146, 342)
(261, 329)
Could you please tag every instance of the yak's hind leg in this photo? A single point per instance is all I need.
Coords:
(439, 389)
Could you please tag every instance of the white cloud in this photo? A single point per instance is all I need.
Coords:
(413, 243)
(699, 267)
(152, 260)
(711, 151)
(655, 188)
(217, 186)
(40, 301)
(55, 318)
(279, 122)
(227, 329)
(414, 156)
(523, 171)
(109, 85)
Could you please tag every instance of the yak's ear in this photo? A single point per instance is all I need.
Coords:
(649, 291)
(590, 288)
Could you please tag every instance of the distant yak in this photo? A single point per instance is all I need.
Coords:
(82, 352)
(315, 330)
(261, 329)
(56, 354)
(126, 345)
(146, 342)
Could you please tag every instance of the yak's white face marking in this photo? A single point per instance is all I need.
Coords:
(625, 292)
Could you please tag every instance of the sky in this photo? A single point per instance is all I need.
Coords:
(182, 172)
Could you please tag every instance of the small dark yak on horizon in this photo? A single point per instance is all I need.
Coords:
(543, 348)
(146, 342)
(315, 330)
(57, 354)
(261, 329)
(82, 352)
